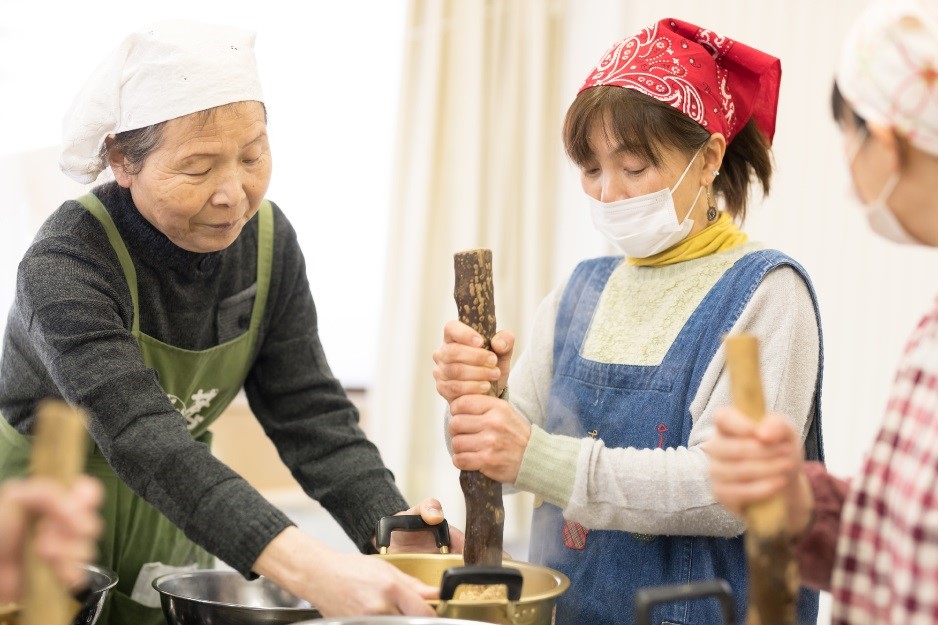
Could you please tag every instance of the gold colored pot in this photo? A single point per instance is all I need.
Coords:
(539, 592)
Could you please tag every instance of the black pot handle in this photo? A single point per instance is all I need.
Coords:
(410, 523)
(481, 575)
(647, 597)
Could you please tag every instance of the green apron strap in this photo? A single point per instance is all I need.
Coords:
(265, 254)
(14, 452)
(96, 208)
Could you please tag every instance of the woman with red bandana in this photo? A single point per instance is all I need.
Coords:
(613, 400)
(871, 541)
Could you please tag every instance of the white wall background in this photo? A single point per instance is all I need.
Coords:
(330, 71)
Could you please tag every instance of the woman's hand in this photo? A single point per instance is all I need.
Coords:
(340, 584)
(368, 585)
(488, 436)
(464, 367)
(752, 462)
(423, 542)
(67, 529)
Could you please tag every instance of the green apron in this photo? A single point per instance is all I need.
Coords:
(139, 543)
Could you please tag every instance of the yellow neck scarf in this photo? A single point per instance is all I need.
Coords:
(720, 236)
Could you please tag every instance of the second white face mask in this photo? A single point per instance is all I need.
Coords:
(880, 218)
(883, 221)
(644, 225)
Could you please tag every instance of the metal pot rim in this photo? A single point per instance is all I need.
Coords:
(219, 573)
(563, 582)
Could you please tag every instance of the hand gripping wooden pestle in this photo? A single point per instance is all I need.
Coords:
(773, 572)
(59, 454)
(485, 513)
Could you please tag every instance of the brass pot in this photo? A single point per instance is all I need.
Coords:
(532, 589)
(539, 591)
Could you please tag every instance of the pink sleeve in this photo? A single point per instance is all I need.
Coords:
(815, 548)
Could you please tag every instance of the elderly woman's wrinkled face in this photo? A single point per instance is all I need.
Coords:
(207, 178)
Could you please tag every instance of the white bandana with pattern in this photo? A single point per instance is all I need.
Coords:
(889, 69)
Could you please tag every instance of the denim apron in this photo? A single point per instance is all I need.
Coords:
(614, 403)
(139, 542)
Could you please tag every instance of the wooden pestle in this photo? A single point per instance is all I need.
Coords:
(773, 572)
(59, 454)
(485, 512)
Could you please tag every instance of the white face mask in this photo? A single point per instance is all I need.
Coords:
(882, 221)
(644, 225)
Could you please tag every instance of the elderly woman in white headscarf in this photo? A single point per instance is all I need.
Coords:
(154, 299)
(872, 541)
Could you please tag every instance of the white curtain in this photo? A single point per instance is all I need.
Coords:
(475, 167)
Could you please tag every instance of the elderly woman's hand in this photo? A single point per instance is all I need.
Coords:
(341, 584)
(464, 367)
(752, 462)
(67, 529)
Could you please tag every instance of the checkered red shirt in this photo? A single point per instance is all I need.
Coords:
(886, 568)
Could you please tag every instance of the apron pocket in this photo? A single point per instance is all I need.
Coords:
(234, 314)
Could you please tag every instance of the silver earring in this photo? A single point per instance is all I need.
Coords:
(711, 210)
(716, 172)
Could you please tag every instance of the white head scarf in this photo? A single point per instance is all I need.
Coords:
(164, 71)
(889, 69)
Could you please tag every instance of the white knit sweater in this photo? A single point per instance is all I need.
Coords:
(640, 313)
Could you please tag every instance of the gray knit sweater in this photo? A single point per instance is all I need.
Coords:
(69, 336)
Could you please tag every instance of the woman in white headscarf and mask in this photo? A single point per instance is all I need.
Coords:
(871, 541)
(154, 299)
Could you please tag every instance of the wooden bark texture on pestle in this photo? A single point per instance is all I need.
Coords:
(485, 512)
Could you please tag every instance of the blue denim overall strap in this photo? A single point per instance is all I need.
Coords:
(645, 407)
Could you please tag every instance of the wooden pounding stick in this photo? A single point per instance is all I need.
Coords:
(773, 572)
(59, 454)
(485, 513)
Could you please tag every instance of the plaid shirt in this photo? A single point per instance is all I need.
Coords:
(886, 567)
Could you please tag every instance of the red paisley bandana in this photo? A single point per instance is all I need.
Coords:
(716, 81)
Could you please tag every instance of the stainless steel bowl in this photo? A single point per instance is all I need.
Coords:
(223, 597)
(100, 582)
(390, 620)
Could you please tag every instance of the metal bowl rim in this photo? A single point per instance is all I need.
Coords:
(225, 573)
(15, 608)
(108, 573)
(345, 620)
